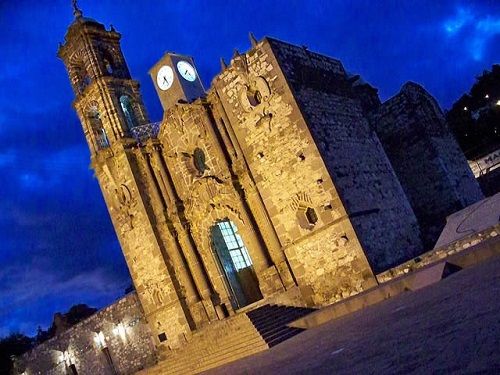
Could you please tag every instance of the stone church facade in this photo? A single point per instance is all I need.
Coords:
(283, 181)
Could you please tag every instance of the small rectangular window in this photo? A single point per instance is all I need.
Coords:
(162, 337)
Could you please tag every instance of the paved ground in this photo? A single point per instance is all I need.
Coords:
(450, 327)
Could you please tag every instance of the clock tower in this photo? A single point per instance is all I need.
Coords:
(175, 79)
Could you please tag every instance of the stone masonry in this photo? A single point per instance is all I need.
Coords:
(354, 157)
(426, 158)
(286, 148)
(127, 339)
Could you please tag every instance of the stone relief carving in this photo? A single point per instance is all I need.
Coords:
(254, 96)
(211, 194)
(300, 200)
(122, 197)
(254, 93)
(154, 293)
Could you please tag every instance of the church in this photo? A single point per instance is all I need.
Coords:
(282, 180)
(287, 181)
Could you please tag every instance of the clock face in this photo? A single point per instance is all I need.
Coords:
(186, 70)
(165, 77)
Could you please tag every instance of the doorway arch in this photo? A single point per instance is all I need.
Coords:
(235, 264)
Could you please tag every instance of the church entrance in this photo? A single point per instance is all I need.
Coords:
(235, 264)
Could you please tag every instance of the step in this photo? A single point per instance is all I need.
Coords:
(221, 356)
(270, 335)
(280, 320)
(228, 340)
(203, 354)
(233, 346)
(280, 339)
(225, 361)
(269, 314)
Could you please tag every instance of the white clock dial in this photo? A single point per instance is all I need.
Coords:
(165, 77)
(186, 70)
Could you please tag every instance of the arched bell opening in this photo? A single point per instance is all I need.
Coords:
(100, 136)
(128, 111)
(235, 264)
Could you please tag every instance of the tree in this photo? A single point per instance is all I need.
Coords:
(62, 322)
(475, 117)
(13, 345)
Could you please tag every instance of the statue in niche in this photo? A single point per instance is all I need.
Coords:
(154, 294)
(125, 205)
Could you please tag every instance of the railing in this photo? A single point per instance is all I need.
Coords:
(144, 132)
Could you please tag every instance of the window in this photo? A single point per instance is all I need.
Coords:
(234, 243)
(128, 111)
(108, 66)
(307, 217)
(254, 97)
(97, 127)
(162, 337)
(199, 160)
(81, 78)
(311, 216)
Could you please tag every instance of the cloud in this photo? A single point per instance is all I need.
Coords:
(28, 292)
(458, 21)
(30, 283)
(474, 30)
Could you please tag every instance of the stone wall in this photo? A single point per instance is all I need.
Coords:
(205, 189)
(428, 162)
(126, 335)
(128, 192)
(298, 194)
(440, 253)
(362, 174)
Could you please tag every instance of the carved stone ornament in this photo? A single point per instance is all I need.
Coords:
(122, 198)
(211, 194)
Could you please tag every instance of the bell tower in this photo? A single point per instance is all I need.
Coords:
(108, 101)
(134, 181)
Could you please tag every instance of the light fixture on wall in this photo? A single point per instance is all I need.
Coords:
(121, 331)
(100, 340)
(66, 357)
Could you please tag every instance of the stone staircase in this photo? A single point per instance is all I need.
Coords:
(228, 340)
(271, 322)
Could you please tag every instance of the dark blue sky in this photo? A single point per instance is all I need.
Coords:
(57, 246)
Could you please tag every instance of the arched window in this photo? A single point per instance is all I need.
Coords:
(128, 111)
(108, 61)
(81, 78)
(108, 66)
(97, 127)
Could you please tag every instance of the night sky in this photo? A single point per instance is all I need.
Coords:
(57, 245)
